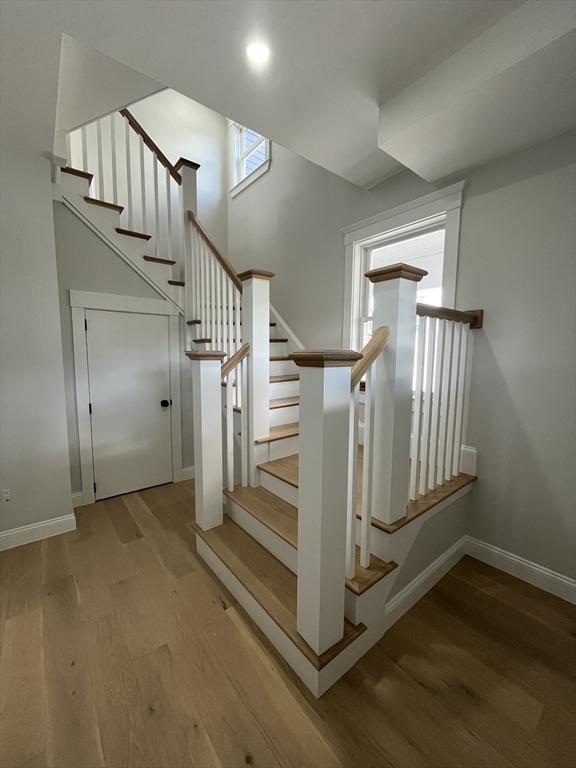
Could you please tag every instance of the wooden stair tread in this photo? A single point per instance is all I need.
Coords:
(282, 519)
(280, 402)
(103, 204)
(286, 469)
(279, 358)
(133, 233)
(285, 377)
(278, 341)
(158, 260)
(271, 584)
(77, 172)
(181, 283)
(280, 433)
(193, 322)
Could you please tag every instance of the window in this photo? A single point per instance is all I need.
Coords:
(249, 155)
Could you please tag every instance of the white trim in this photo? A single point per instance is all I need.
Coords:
(26, 534)
(449, 197)
(116, 303)
(534, 573)
(251, 178)
(77, 499)
(410, 216)
(293, 340)
(186, 473)
(80, 301)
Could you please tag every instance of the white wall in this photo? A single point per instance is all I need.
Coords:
(86, 263)
(517, 261)
(33, 439)
(183, 128)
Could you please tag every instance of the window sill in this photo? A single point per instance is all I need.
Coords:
(242, 185)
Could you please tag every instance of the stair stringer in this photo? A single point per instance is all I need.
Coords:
(96, 218)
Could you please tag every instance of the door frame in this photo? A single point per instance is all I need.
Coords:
(80, 301)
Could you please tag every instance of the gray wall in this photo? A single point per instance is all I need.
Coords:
(86, 263)
(517, 261)
(289, 221)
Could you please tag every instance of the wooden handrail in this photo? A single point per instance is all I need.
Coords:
(235, 360)
(223, 261)
(152, 146)
(369, 354)
(472, 316)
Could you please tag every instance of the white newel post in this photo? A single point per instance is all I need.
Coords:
(188, 170)
(207, 415)
(391, 415)
(256, 331)
(322, 500)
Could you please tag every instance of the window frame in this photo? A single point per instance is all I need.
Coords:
(441, 206)
(237, 155)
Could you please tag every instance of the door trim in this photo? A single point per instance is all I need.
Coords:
(80, 301)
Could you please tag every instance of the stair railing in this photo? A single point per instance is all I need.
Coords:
(229, 377)
(361, 370)
(441, 386)
(129, 169)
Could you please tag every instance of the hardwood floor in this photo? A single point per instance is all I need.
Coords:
(119, 648)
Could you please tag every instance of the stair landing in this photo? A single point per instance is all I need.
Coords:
(286, 469)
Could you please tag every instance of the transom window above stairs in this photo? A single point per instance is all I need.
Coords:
(249, 157)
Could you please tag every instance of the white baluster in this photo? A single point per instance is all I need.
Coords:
(417, 408)
(452, 401)
(143, 183)
(445, 396)
(242, 385)
(168, 244)
(218, 335)
(100, 159)
(436, 397)
(464, 333)
(229, 435)
(84, 143)
(230, 317)
(425, 431)
(156, 207)
(352, 484)
(129, 175)
(113, 158)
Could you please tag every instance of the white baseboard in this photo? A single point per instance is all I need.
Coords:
(36, 531)
(186, 473)
(535, 574)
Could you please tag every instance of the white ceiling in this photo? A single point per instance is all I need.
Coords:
(334, 64)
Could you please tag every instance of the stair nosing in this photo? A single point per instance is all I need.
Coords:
(158, 260)
(103, 203)
(133, 233)
(272, 438)
(78, 172)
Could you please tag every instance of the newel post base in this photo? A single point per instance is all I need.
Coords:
(391, 401)
(323, 473)
(256, 331)
(207, 414)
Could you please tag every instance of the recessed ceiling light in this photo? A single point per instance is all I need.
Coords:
(258, 53)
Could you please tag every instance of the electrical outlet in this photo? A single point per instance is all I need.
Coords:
(7, 494)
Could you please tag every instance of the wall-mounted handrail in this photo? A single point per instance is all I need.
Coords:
(472, 316)
(222, 260)
(151, 144)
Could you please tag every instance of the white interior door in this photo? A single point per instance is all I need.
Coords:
(129, 379)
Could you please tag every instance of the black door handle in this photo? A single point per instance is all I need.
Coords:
(164, 403)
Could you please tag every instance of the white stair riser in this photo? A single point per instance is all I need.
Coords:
(284, 415)
(284, 389)
(280, 548)
(282, 367)
(278, 348)
(75, 185)
(279, 488)
(278, 449)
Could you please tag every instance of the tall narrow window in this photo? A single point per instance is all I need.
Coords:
(249, 155)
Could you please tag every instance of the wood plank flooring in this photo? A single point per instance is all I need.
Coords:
(119, 648)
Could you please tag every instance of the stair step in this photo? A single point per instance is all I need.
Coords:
(282, 519)
(103, 204)
(181, 283)
(78, 172)
(286, 469)
(132, 233)
(281, 432)
(278, 341)
(199, 322)
(279, 402)
(285, 377)
(157, 260)
(201, 341)
(270, 584)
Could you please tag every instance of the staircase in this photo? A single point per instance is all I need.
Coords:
(315, 470)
